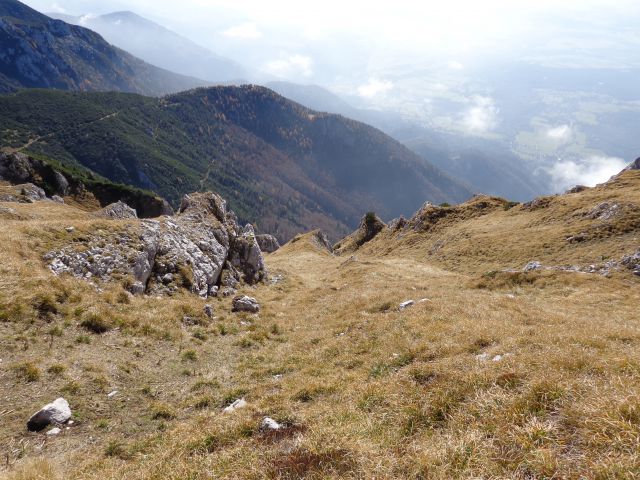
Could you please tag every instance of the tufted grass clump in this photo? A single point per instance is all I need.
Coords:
(27, 371)
(162, 411)
(96, 323)
(190, 356)
(56, 369)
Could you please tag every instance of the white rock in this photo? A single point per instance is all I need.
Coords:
(269, 423)
(497, 358)
(239, 403)
(70, 229)
(531, 266)
(57, 411)
(112, 394)
(406, 304)
(54, 431)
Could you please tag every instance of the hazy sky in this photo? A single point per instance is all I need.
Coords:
(452, 27)
(326, 42)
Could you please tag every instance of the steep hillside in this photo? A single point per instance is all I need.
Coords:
(38, 51)
(282, 166)
(391, 362)
(159, 46)
(485, 165)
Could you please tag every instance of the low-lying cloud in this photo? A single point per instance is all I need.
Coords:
(589, 171)
(84, 20)
(560, 134)
(56, 8)
(374, 87)
(245, 31)
(291, 66)
(482, 117)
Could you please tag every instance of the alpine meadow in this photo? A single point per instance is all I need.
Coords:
(274, 240)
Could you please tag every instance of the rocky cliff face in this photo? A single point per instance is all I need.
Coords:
(201, 248)
(18, 168)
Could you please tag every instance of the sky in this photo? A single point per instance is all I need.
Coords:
(300, 40)
(454, 27)
(433, 61)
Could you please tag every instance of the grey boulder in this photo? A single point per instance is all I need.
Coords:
(243, 303)
(245, 256)
(200, 248)
(118, 210)
(32, 193)
(268, 243)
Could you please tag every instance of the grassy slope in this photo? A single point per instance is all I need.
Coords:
(245, 143)
(370, 391)
(477, 241)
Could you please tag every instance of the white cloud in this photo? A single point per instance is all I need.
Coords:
(56, 8)
(482, 117)
(292, 65)
(454, 65)
(374, 87)
(560, 134)
(588, 171)
(85, 19)
(246, 31)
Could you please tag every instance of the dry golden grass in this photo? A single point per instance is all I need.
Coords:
(498, 239)
(364, 390)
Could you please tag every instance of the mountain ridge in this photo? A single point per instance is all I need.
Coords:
(160, 46)
(49, 53)
(275, 160)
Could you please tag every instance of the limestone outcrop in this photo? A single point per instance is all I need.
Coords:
(201, 248)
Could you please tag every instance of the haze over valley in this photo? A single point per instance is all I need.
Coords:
(551, 88)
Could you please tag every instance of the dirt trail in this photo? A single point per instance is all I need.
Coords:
(52, 134)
